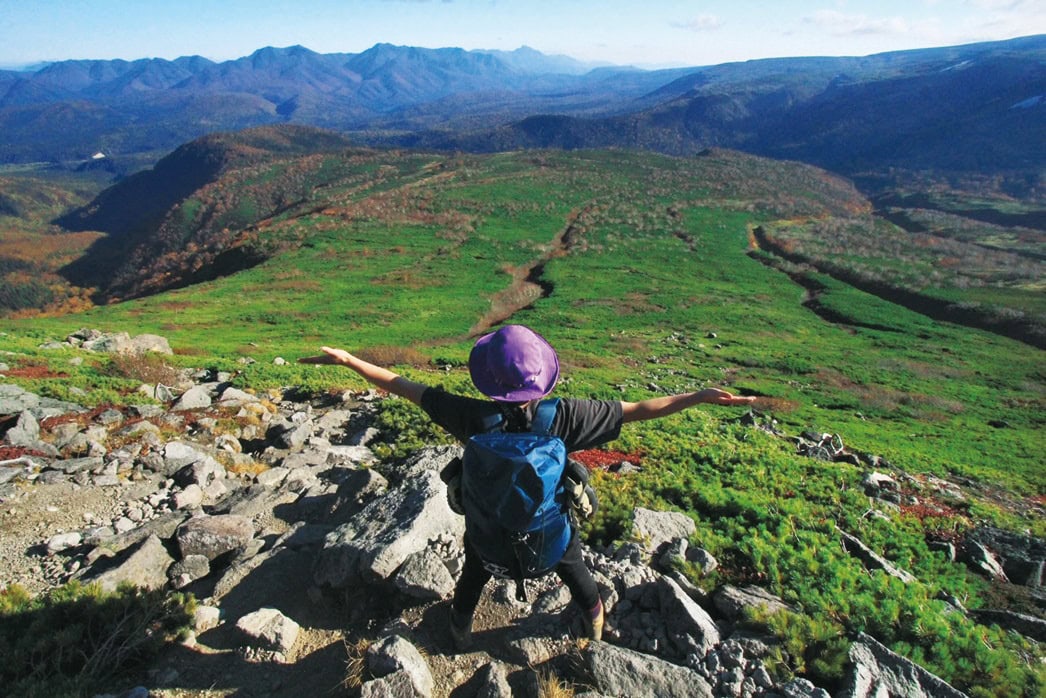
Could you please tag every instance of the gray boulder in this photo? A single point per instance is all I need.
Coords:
(71, 466)
(163, 527)
(1026, 625)
(434, 458)
(119, 342)
(1023, 557)
(979, 558)
(145, 567)
(493, 681)
(234, 397)
(871, 559)
(655, 529)
(732, 601)
(188, 570)
(378, 540)
(14, 399)
(290, 435)
(394, 654)
(256, 502)
(424, 576)
(342, 455)
(876, 671)
(25, 432)
(213, 536)
(270, 629)
(689, 627)
(394, 685)
(195, 398)
(203, 472)
(617, 671)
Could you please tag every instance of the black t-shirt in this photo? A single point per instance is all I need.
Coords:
(580, 423)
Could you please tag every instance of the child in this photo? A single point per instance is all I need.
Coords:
(515, 367)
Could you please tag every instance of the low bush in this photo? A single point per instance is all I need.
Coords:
(76, 637)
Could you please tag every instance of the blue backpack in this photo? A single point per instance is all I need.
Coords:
(516, 514)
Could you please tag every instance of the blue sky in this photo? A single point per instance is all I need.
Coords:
(650, 33)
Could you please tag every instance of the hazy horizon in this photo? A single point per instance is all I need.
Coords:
(662, 33)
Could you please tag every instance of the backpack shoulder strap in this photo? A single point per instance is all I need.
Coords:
(543, 416)
(493, 422)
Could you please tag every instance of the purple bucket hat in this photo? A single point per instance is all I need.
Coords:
(514, 364)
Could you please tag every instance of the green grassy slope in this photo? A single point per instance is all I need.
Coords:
(639, 258)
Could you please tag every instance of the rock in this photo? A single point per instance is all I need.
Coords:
(195, 398)
(433, 458)
(616, 671)
(376, 542)
(802, 688)
(493, 681)
(162, 527)
(1028, 626)
(271, 628)
(255, 502)
(15, 399)
(394, 685)
(979, 558)
(871, 559)
(213, 536)
(875, 482)
(424, 576)
(288, 435)
(657, 528)
(206, 617)
(1023, 557)
(732, 601)
(203, 472)
(120, 343)
(187, 570)
(689, 627)
(190, 497)
(145, 567)
(233, 397)
(71, 466)
(395, 654)
(876, 671)
(63, 541)
(273, 477)
(25, 432)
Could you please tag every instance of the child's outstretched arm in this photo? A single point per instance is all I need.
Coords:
(670, 404)
(375, 375)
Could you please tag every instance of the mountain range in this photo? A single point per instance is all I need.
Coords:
(974, 108)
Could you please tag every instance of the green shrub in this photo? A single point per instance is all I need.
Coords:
(74, 638)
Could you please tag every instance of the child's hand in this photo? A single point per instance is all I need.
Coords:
(329, 356)
(715, 396)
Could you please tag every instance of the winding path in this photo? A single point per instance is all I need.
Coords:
(528, 284)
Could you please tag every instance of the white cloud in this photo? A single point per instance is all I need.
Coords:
(701, 23)
(842, 24)
(1001, 5)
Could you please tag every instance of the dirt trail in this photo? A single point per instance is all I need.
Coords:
(528, 284)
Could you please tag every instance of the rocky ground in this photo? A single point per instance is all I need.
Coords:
(320, 571)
